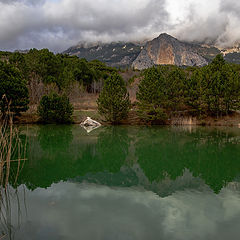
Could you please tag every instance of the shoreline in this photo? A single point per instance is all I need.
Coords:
(232, 120)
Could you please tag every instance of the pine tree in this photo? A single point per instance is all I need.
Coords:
(151, 96)
(113, 102)
(54, 108)
(13, 90)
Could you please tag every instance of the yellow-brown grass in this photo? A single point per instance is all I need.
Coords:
(10, 146)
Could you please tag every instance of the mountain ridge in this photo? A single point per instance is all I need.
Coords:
(164, 49)
(115, 54)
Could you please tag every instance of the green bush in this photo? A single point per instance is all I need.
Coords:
(55, 109)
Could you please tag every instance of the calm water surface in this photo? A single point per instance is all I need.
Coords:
(126, 183)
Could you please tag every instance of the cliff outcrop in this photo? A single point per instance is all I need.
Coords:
(166, 49)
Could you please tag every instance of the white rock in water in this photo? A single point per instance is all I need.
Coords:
(90, 124)
(90, 128)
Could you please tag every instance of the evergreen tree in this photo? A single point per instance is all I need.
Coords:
(14, 88)
(196, 88)
(151, 97)
(113, 102)
(55, 109)
(223, 93)
(174, 89)
(223, 87)
(214, 89)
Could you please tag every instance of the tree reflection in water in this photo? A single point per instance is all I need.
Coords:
(162, 160)
(138, 154)
(210, 154)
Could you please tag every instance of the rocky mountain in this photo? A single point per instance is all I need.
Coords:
(233, 57)
(232, 54)
(164, 49)
(116, 54)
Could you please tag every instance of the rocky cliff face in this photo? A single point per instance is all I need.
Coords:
(166, 49)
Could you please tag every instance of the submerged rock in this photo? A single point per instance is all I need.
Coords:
(90, 124)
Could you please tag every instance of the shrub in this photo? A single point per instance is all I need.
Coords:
(55, 109)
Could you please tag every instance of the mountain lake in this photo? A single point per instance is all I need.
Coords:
(125, 183)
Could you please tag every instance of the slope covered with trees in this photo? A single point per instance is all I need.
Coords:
(162, 92)
(27, 77)
(213, 90)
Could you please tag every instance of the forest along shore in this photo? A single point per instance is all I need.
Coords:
(46, 88)
(82, 111)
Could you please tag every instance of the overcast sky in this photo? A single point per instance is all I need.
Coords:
(59, 24)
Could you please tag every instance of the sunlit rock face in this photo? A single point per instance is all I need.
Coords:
(166, 49)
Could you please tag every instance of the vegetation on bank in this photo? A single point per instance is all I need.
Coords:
(22, 74)
(113, 102)
(213, 90)
(13, 90)
(55, 109)
(163, 91)
(60, 69)
(12, 152)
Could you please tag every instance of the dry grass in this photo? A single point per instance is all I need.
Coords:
(10, 146)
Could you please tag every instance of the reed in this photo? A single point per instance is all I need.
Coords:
(11, 150)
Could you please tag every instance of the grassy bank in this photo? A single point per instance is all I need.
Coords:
(80, 115)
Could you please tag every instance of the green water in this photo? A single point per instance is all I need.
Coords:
(127, 183)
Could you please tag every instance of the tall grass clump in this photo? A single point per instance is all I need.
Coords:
(11, 151)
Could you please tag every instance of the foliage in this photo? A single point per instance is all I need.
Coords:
(210, 90)
(55, 109)
(174, 79)
(163, 90)
(160, 91)
(13, 87)
(195, 97)
(18, 61)
(214, 89)
(151, 96)
(59, 69)
(132, 79)
(113, 101)
(43, 66)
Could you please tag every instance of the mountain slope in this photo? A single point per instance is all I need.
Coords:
(166, 49)
(118, 54)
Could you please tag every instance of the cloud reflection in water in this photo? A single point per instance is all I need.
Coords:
(88, 211)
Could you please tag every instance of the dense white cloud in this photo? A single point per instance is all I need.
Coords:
(214, 21)
(58, 24)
